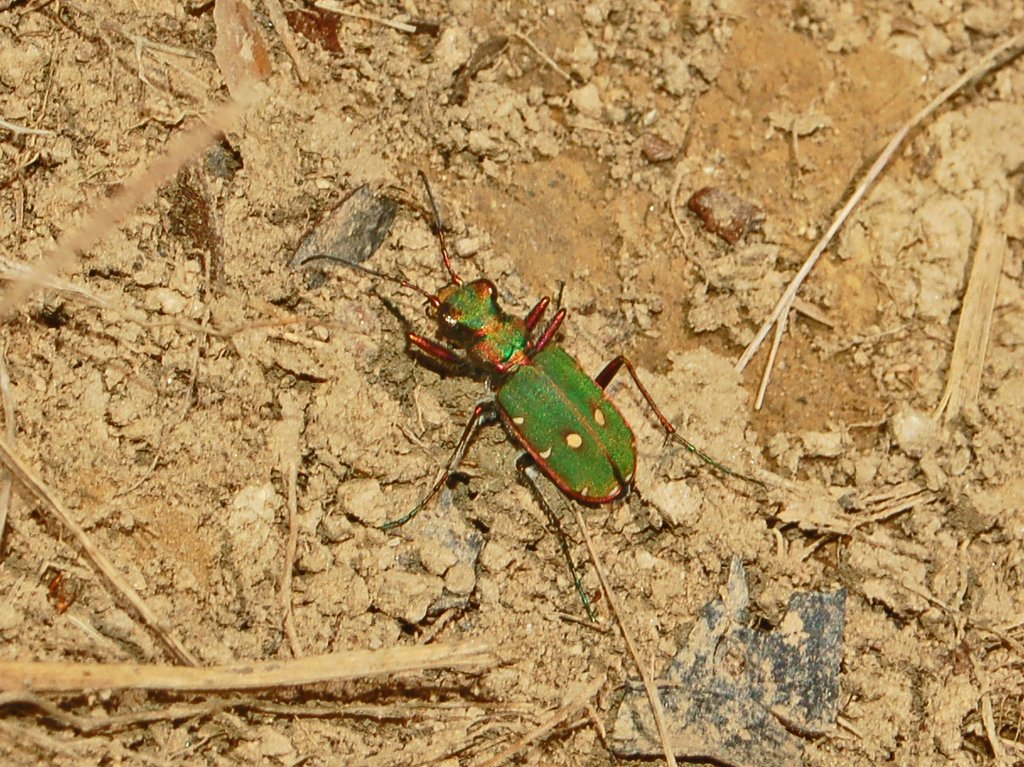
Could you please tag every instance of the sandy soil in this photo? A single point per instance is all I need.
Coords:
(166, 417)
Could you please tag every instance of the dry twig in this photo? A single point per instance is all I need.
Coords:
(289, 561)
(613, 604)
(10, 430)
(999, 56)
(88, 725)
(335, 7)
(22, 130)
(987, 718)
(578, 702)
(286, 437)
(63, 676)
(35, 485)
(543, 56)
(277, 18)
(963, 381)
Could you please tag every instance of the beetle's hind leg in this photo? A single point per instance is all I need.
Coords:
(526, 466)
(605, 377)
(483, 413)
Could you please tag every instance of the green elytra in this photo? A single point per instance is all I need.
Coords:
(560, 415)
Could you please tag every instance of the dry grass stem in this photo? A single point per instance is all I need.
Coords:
(89, 725)
(578, 702)
(63, 676)
(338, 8)
(988, 721)
(22, 130)
(613, 605)
(10, 431)
(999, 56)
(967, 363)
(13, 271)
(27, 477)
(543, 56)
(289, 561)
(108, 214)
(286, 438)
(277, 18)
(891, 503)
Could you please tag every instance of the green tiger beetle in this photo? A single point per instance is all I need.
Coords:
(561, 416)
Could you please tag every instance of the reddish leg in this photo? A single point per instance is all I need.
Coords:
(536, 313)
(549, 331)
(482, 410)
(434, 349)
(604, 378)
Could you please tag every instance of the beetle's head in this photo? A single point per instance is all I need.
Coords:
(466, 310)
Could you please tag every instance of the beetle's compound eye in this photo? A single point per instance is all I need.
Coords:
(446, 317)
(485, 288)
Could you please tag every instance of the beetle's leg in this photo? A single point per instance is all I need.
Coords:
(525, 465)
(481, 411)
(433, 349)
(549, 331)
(428, 346)
(536, 313)
(604, 378)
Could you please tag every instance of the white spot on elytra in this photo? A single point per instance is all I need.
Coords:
(518, 420)
(573, 440)
(599, 416)
(585, 490)
(545, 453)
(628, 478)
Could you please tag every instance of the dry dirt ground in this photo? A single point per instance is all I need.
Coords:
(164, 390)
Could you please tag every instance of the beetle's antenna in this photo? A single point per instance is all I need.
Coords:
(439, 231)
(434, 300)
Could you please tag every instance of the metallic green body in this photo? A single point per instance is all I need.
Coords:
(565, 421)
(550, 405)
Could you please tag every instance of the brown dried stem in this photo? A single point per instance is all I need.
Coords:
(27, 477)
(289, 561)
(62, 676)
(613, 604)
(999, 56)
(277, 18)
(578, 702)
(963, 381)
(10, 431)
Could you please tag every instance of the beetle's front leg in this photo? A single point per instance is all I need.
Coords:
(435, 350)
